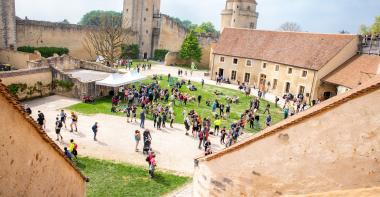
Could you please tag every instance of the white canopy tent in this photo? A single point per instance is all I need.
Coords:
(116, 80)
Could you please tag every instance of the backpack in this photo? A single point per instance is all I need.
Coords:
(60, 124)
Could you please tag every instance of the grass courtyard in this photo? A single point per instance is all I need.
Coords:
(116, 179)
(104, 105)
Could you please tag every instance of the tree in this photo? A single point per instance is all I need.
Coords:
(95, 17)
(190, 49)
(130, 51)
(65, 21)
(372, 29)
(206, 27)
(290, 26)
(344, 32)
(375, 28)
(364, 30)
(107, 40)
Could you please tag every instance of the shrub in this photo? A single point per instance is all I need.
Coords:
(45, 51)
(159, 54)
(65, 84)
(15, 88)
(131, 51)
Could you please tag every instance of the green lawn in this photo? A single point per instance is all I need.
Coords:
(116, 179)
(104, 105)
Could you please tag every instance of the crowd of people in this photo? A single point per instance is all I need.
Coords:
(137, 102)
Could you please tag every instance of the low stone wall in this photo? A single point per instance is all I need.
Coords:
(33, 83)
(17, 59)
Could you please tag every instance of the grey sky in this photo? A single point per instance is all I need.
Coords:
(327, 16)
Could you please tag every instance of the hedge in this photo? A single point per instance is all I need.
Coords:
(159, 54)
(45, 51)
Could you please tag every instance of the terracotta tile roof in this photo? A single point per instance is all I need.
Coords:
(13, 101)
(355, 71)
(305, 50)
(370, 86)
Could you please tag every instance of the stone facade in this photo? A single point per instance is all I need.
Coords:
(7, 24)
(275, 68)
(31, 163)
(269, 76)
(143, 17)
(327, 148)
(239, 14)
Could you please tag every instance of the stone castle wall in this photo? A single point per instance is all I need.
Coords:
(38, 81)
(41, 33)
(172, 34)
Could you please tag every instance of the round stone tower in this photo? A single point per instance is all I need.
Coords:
(239, 14)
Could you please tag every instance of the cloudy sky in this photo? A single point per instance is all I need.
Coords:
(327, 16)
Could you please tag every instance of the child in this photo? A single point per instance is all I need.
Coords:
(223, 135)
(268, 120)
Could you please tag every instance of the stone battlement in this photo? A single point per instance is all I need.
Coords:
(54, 24)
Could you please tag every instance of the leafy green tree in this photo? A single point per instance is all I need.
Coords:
(372, 29)
(190, 49)
(206, 27)
(96, 17)
(375, 28)
(363, 29)
(187, 23)
(130, 51)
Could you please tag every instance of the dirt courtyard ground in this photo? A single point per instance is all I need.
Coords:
(175, 151)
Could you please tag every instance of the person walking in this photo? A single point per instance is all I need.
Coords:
(73, 148)
(95, 130)
(223, 135)
(217, 124)
(63, 117)
(74, 122)
(58, 126)
(203, 82)
(199, 99)
(172, 118)
(41, 119)
(137, 139)
(142, 118)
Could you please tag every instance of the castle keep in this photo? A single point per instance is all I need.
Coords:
(143, 17)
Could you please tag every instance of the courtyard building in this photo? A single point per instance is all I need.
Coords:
(356, 71)
(281, 62)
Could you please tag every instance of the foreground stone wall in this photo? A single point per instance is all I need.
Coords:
(18, 60)
(30, 164)
(336, 149)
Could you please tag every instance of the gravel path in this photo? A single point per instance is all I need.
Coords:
(175, 151)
